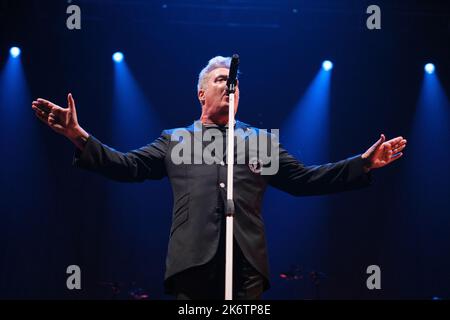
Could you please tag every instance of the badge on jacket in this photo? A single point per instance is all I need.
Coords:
(255, 165)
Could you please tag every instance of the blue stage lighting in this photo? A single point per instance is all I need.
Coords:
(118, 57)
(14, 52)
(429, 68)
(327, 65)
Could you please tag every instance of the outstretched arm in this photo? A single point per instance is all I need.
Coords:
(297, 179)
(136, 165)
(352, 173)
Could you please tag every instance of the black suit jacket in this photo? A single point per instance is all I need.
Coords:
(199, 190)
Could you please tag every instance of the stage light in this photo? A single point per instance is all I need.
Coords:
(429, 68)
(118, 57)
(14, 52)
(327, 65)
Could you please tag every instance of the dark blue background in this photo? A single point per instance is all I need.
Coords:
(53, 215)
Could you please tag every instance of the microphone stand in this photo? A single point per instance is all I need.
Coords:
(230, 203)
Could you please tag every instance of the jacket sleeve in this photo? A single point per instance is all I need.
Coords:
(298, 179)
(134, 166)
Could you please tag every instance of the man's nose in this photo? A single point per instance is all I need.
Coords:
(224, 88)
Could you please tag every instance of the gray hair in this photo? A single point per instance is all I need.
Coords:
(214, 63)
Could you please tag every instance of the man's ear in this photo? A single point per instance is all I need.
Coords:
(201, 96)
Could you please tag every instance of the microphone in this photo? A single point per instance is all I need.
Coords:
(232, 76)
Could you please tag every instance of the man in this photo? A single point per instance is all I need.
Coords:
(195, 259)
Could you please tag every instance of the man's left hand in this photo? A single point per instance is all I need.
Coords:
(383, 152)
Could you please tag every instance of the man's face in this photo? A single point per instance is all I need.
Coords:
(214, 97)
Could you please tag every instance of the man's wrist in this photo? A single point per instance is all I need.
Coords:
(366, 163)
(78, 137)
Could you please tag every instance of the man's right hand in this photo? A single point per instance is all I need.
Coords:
(62, 120)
